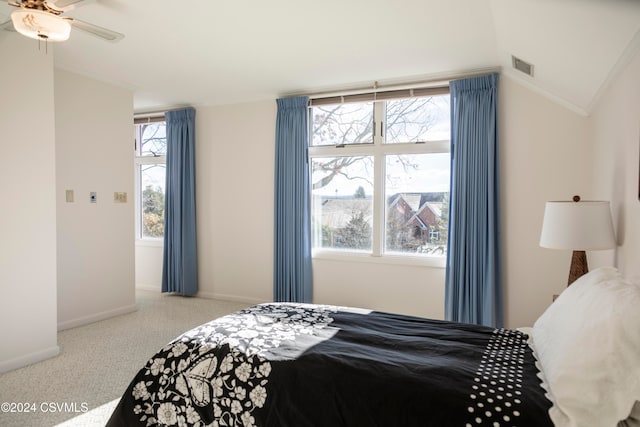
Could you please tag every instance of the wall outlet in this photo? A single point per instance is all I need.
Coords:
(93, 197)
(120, 197)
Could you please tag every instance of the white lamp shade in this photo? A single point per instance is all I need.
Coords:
(578, 226)
(40, 25)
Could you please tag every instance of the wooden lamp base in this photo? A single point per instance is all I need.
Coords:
(579, 266)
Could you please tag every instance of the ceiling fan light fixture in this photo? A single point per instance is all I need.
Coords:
(41, 25)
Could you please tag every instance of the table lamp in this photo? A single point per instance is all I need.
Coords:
(579, 226)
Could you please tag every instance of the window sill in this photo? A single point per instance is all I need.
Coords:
(158, 243)
(407, 260)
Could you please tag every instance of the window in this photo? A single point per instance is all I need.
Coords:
(380, 174)
(150, 163)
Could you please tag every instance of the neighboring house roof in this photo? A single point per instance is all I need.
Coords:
(338, 211)
(419, 202)
(436, 208)
(414, 200)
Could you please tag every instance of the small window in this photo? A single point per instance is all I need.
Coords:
(342, 204)
(417, 188)
(153, 140)
(342, 124)
(417, 120)
(150, 162)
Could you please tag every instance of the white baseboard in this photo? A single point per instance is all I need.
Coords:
(227, 297)
(144, 287)
(209, 295)
(80, 321)
(28, 359)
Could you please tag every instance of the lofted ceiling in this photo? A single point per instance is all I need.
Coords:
(209, 52)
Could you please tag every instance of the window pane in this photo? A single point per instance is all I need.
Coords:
(417, 208)
(342, 202)
(153, 139)
(417, 120)
(152, 199)
(340, 124)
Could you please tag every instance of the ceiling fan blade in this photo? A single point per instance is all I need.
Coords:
(96, 30)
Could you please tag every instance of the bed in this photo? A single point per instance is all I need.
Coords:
(297, 365)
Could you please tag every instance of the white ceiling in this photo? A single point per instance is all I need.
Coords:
(213, 52)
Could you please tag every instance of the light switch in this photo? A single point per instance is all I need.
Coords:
(68, 194)
(93, 197)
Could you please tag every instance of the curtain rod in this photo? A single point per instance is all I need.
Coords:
(148, 118)
(435, 80)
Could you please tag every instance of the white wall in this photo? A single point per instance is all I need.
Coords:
(27, 206)
(148, 265)
(545, 154)
(390, 286)
(235, 152)
(615, 126)
(94, 152)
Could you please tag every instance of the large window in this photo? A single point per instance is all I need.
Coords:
(380, 175)
(151, 152)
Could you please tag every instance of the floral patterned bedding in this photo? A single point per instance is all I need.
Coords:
(296, 365)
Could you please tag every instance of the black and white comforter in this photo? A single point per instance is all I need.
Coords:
(297, 365)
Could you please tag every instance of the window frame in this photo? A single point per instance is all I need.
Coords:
(140, 161)
(378, 150)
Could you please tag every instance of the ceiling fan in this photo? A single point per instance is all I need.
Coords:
(42, 20)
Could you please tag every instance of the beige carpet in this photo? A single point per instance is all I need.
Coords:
(97, 361)
(94, 418)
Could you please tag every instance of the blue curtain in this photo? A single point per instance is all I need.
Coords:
(292, 278)
(473, 292)
(180, 267)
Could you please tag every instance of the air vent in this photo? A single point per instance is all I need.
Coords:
(521, 65)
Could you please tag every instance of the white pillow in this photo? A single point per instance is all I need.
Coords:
(588, 345)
